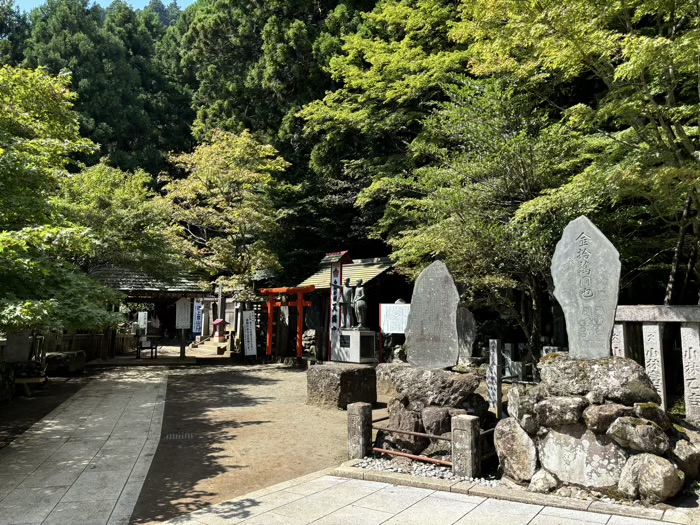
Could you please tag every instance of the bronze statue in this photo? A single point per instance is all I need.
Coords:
(360, 306)
(346, 303)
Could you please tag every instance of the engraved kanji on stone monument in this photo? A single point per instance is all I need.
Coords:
(690, 344)
(586, 273)
(434, 336)
(618, 344)
(653, 360)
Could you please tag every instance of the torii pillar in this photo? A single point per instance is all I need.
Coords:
(299, 303)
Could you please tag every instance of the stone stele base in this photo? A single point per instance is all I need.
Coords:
(338, 385)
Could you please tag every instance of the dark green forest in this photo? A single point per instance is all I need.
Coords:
(244, 139)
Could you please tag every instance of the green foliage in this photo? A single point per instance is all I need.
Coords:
(224, 218)
(484, 154)
(124, 99)
(640, 128)
(40, 285)
(390, 73)
(14, 30)
(258, 62)
(38, 131)
(124, 215)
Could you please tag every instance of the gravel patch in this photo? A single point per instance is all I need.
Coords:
(424, 470)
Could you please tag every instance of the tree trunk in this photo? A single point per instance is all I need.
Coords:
(668, 298)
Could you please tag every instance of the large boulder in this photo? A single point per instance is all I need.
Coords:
(402, 418)
(576, 455)
(521, 405)
(639, 434)
(428, 386)
(559, 410)
(687, 456)
(598, 418)
(436, 420)
(516, 450)
(615, 378)
(651, 478)
(654, 413)
(338, 385)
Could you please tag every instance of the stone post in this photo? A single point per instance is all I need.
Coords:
(359, 430)
(466, 441)
(690, 342)
(619, 342)
(493, 375)
(653, 334)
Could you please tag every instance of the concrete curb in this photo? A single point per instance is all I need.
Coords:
(669, 515)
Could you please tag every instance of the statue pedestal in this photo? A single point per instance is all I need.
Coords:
(355, 346)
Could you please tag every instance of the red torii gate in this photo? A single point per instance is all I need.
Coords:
(299, 303)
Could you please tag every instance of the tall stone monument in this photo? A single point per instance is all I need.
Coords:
(437, 333)
(586, 273)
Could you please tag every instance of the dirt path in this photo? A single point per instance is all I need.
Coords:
(230, 430)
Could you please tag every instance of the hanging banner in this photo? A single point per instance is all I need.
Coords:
(249, 338)
(197, 314)
(143, 321)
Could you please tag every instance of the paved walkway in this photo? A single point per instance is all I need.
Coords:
(86, 461)
(330, 500)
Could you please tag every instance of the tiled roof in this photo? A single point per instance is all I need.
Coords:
(365, 269)
(135, 281)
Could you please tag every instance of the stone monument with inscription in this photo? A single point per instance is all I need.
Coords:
(586, 273)
(438, 334)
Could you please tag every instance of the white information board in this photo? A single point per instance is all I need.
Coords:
(249, 341)
(143, 321)
(394, 317)
(183, 314)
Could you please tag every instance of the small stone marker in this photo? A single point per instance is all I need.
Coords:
(433, 333)
(493, 375)
(690, 343)
(653, 334)
(359, 430)
(618, 344)
(586, 273)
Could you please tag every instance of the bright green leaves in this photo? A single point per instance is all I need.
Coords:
(38, 132)
(222, 210)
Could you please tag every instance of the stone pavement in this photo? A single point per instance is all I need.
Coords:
(86, 461)
(330, 500)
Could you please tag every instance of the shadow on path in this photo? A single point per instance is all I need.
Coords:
(18, 415)
(195, 443)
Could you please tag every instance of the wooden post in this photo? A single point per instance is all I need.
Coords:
(182, 343)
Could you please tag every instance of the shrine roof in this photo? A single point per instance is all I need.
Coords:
(365, 269)
(134, 283)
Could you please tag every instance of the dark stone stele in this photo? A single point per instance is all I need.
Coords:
(432, 338)
(338, 385)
